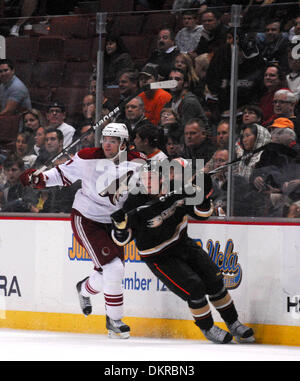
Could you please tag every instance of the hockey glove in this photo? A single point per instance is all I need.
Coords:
(119, 219)
(121, 236)
(28, 178)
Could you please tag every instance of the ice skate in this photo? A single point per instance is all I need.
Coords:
(241, 333)
(217, 335)
(85, 302)
(117, 329)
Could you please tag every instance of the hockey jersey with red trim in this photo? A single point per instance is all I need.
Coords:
(104, 184)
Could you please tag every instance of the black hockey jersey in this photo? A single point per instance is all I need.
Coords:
(162, 225)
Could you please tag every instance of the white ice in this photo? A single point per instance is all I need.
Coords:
(19, 345)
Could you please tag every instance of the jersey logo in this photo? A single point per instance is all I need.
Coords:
(117, 187)
(158, 220)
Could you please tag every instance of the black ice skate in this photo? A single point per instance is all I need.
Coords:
(117, 329)
(241, 333)
(217, 335)
(85, 302)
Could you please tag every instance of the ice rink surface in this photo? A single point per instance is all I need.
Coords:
(19, 345)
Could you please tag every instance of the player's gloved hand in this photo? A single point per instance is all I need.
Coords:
(121, 236)
(28, 178)
(119, 219)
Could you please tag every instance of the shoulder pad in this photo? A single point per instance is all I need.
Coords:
(135, 155)
(91, 153)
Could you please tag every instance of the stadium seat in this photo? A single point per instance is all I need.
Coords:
(51, 48)
(127, 24)
(9, 127)
(138, 47)
(21, 49)
(24, 71)
(73, 26)
(77, 49)
(40, 97)
(77, 74)
(156, 21)
(47, 74)
(72, 97)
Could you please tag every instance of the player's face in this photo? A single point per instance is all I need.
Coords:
(110, 146)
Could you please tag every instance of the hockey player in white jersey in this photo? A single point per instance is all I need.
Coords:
(101, 171)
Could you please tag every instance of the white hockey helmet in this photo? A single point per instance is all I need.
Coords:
(116, 129)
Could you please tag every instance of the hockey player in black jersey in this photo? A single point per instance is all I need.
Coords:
(160, 230)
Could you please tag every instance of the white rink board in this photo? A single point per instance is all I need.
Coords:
(37, 274)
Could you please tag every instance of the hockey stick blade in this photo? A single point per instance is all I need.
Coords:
(171, 84)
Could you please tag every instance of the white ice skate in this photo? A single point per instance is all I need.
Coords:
(241, 333)
(217, 335)
(117, 329)
(85, 302)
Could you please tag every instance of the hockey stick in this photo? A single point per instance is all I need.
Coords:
(151, 86)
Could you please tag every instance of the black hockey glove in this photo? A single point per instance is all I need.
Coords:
(119, 219)
(121, 236)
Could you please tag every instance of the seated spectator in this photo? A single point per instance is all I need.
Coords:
(39, 139)
(293, 74)
(184, 62)
(135, 116)
(24, 149)
(88, 141)
(147, 141)
(128, 83)
(154, 100)
(184, 102)
(116, 58)
(273, 44)
(252, 137)
(14, 95)
(220, 183)
(213, 34)
(165, 53)
(32, 120)
(249, 73)
(173, 146)
(88, 109)
(273, 80)
(251, 114)
(284, 103)
(53, 145)
(295, 29)
(294, 210)
(187, 38)
(196, 143)
(14, 197)
(56, 116)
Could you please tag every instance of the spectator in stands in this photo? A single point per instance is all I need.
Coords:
(14, 94)
(284, 103)
(165, 53)
(116, 58)
(213, 34)
(93, 84)
(170, 123)
(24, 148)
(88, 113)
(220, 183)
(56, 116)
(251, 114)
(252, 137)
(53, 145)
(294, 210)
(187, 38)
(173, 146)
(154, 100)
(39, 139)
(128, 84)
(293, 75)
(196, 143)
(32, 120)
(184, 102)
(273, 44)
(147, 140)
(273, 80)
(88, 141)
(14, 197)
(250, 71)
(184, 4)
(184, 62)
(135, 116)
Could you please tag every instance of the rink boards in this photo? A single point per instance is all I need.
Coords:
(41, 262)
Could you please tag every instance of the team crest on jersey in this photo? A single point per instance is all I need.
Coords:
(158, 220)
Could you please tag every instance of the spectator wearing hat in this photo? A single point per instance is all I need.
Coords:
(154, 100)
(56, 116)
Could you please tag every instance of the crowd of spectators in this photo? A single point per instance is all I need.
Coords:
(190, 120)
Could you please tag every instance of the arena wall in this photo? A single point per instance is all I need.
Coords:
(41, 263)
